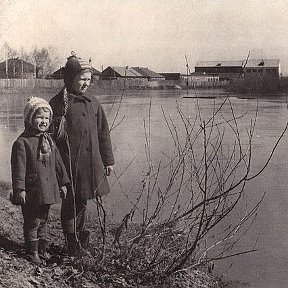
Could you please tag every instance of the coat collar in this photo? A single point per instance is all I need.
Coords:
(30, 132)
(76, 98)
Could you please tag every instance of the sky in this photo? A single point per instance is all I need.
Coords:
(149, 33)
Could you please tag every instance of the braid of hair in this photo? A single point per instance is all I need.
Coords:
(65, 98)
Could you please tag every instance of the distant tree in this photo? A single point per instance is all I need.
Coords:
(45, 59)
(9, 51)
(24, 55)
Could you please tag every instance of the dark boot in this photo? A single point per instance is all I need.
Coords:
(72, 245)
(32, 252)
(84, 238)
(72, 249)
(42, 249)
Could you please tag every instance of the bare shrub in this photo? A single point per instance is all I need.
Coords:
(178, 220)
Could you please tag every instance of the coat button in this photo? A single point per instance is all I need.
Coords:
(47, 178)
(85, 132)
(83, 114)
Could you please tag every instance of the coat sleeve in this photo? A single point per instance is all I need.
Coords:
(18, 165)
(104, 139)
(62, 175)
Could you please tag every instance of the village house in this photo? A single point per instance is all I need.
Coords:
(59, 74)
(95, 74)
(149, 74)
(139, 73)
(17, 68)
(172, 76)
(117, 72)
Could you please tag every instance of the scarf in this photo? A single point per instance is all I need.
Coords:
(45, 147)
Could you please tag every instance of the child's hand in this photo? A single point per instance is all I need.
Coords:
(19, 197)
(22, 197)
(109, 170)
(63, 192)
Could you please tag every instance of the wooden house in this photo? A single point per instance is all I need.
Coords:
(116, 72)
(149, 74)
(59, 74)
(18, 68)
(95, 74)
(172, 76)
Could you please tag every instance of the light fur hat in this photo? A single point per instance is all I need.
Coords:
(33, 104)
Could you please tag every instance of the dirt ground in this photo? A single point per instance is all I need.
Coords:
(15, 270)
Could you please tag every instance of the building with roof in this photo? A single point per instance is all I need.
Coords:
(17, 68)
(262, 68)
(171, 76)
(228, 70)
(149, 74)
(204, 77)
(117, 72)
(59, 74)
(95, 74)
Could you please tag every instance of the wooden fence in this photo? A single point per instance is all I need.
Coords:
(111, 84)
(15, 83)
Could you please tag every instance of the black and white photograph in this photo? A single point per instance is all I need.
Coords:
(144, 144)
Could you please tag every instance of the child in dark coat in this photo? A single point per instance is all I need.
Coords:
(38, 176)
(82, 136)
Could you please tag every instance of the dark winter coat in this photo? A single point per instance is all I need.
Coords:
(41, 182)
(86, 139)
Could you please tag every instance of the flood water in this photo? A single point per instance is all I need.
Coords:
(143, 110)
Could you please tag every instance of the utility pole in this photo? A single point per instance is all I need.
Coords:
(13, 63)
(188, 70)
(22, 68)
(6, 61)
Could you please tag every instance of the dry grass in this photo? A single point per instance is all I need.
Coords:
(87, 271)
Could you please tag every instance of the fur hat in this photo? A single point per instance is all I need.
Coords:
(73, 66)
(33, 104)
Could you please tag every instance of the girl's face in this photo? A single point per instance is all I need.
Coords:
(41, 120)
(81, 82)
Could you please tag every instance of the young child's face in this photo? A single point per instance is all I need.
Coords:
(81, 82)
(41, 120)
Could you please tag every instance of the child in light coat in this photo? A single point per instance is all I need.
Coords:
(39, 177)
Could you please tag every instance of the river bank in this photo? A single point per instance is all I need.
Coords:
(16, 271)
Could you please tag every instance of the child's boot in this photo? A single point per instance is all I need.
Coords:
(32, 248)
(84, 238)
(72, 249)
(42, 249)
(71, 245)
